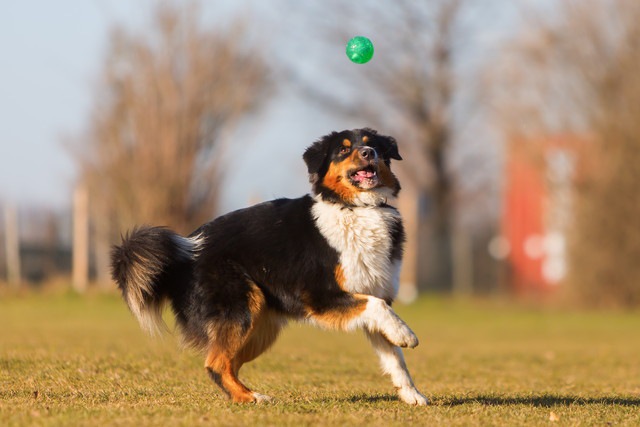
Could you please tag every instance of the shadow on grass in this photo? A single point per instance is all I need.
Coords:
(543, 401)
(369, 398)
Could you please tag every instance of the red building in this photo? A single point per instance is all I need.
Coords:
(537, 209)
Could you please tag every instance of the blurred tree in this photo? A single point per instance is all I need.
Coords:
(410, 95)
(576, 71)
(168, 96)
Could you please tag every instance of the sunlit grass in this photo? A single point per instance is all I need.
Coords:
(70, 360)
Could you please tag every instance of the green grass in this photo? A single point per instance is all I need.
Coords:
(69, 360)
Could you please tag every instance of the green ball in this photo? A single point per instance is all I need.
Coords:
(360, 50)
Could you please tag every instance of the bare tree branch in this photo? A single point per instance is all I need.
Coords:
(154, 150)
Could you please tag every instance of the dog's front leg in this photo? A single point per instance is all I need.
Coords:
(378, 316)
(392, 363)
(386, 331)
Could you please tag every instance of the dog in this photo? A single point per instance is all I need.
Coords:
(331, 258)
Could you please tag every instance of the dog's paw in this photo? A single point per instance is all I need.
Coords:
(262, 398)
(250, 397)
(412, 396)
(410, 339)
(403, 336)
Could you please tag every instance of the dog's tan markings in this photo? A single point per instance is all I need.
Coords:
(346, 143)
(365, 139)
(340, 317)
(265, 331)
(220, 367)
(387, 178)
(230, 347)
(265, 328)
(339, 276)
(257, 301)
(336, 179)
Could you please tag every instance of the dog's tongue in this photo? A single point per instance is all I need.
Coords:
(364, 174)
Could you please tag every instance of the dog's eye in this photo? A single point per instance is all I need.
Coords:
(345, 150)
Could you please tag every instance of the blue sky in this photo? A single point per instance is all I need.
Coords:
(50, 53)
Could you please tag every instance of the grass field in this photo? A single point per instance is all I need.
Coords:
(70, 360)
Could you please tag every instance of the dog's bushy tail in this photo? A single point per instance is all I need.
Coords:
(144, 268)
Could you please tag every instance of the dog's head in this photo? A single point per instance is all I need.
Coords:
(353, 167)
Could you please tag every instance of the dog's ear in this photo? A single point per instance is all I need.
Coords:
(389, 147)
(386, 146)
(315, 156)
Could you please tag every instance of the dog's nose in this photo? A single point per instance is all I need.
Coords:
(367, 153)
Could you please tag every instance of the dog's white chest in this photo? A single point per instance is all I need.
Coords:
(362, 238)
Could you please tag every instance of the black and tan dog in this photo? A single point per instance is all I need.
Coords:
(331, 259)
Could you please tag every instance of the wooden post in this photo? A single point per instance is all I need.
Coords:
(12, 246)
(408, 206)
(80, 260)
(462, 262)
(101, 248)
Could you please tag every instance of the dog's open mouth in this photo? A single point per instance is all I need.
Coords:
(366, 177)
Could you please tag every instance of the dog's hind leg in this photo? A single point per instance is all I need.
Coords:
(219, 364)
(231, 345)
(266, 329)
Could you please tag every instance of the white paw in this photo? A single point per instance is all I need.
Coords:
(412, 396)
(403, 336)
(262, 398)
(384, 320)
